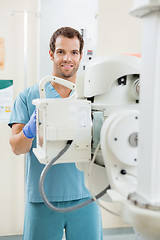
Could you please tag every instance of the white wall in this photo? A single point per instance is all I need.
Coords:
(11, 166)
(118, 33)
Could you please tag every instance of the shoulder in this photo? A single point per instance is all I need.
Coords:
(31, 92)
(24, 99)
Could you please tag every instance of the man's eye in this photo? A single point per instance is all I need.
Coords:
(75, 53)
(60, 52)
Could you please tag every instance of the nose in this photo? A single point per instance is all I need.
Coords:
(67, 57)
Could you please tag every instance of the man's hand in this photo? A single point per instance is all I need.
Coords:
(29, 129)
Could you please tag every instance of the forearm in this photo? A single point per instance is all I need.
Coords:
(20, 144)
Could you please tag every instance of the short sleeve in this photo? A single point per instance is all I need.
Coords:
(19, 112)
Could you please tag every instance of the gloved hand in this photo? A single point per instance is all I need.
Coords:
(29, 129)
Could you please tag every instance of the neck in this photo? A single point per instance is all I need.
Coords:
(63, 91)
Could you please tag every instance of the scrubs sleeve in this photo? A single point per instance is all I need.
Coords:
(19, 112)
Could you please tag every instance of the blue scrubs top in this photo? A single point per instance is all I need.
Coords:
(63, 182)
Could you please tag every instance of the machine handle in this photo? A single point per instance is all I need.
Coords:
(61, 81)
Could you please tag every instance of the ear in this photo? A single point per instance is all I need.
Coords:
(81, 56)
(51, 55)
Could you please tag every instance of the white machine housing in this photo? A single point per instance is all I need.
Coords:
(103, 71)
(60, 120)
(112, 84)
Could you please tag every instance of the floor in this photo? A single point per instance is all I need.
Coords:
(119, 234)
(109, 234)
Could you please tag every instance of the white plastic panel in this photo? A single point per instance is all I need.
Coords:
(102, 72)
(121, 157)
(63, 120)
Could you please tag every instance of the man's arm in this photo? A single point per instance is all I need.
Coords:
(23, 135)
(19, 142)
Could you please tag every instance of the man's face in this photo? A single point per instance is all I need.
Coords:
(66, 58)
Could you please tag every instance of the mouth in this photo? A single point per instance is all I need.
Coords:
(66, 65)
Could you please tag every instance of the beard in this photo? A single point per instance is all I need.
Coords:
(62, 73)
(71, 73)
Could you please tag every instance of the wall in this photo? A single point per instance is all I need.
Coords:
(118, 32)
(11, 166)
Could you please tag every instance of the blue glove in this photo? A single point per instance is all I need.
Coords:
(29, 129)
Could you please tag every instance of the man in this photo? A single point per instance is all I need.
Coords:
(64, 184)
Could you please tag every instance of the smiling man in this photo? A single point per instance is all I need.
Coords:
(66, 57)
(66, 53)
(64, 185)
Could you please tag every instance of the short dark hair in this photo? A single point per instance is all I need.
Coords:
(66, 32)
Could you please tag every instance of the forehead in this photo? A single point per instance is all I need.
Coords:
(67, 43)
